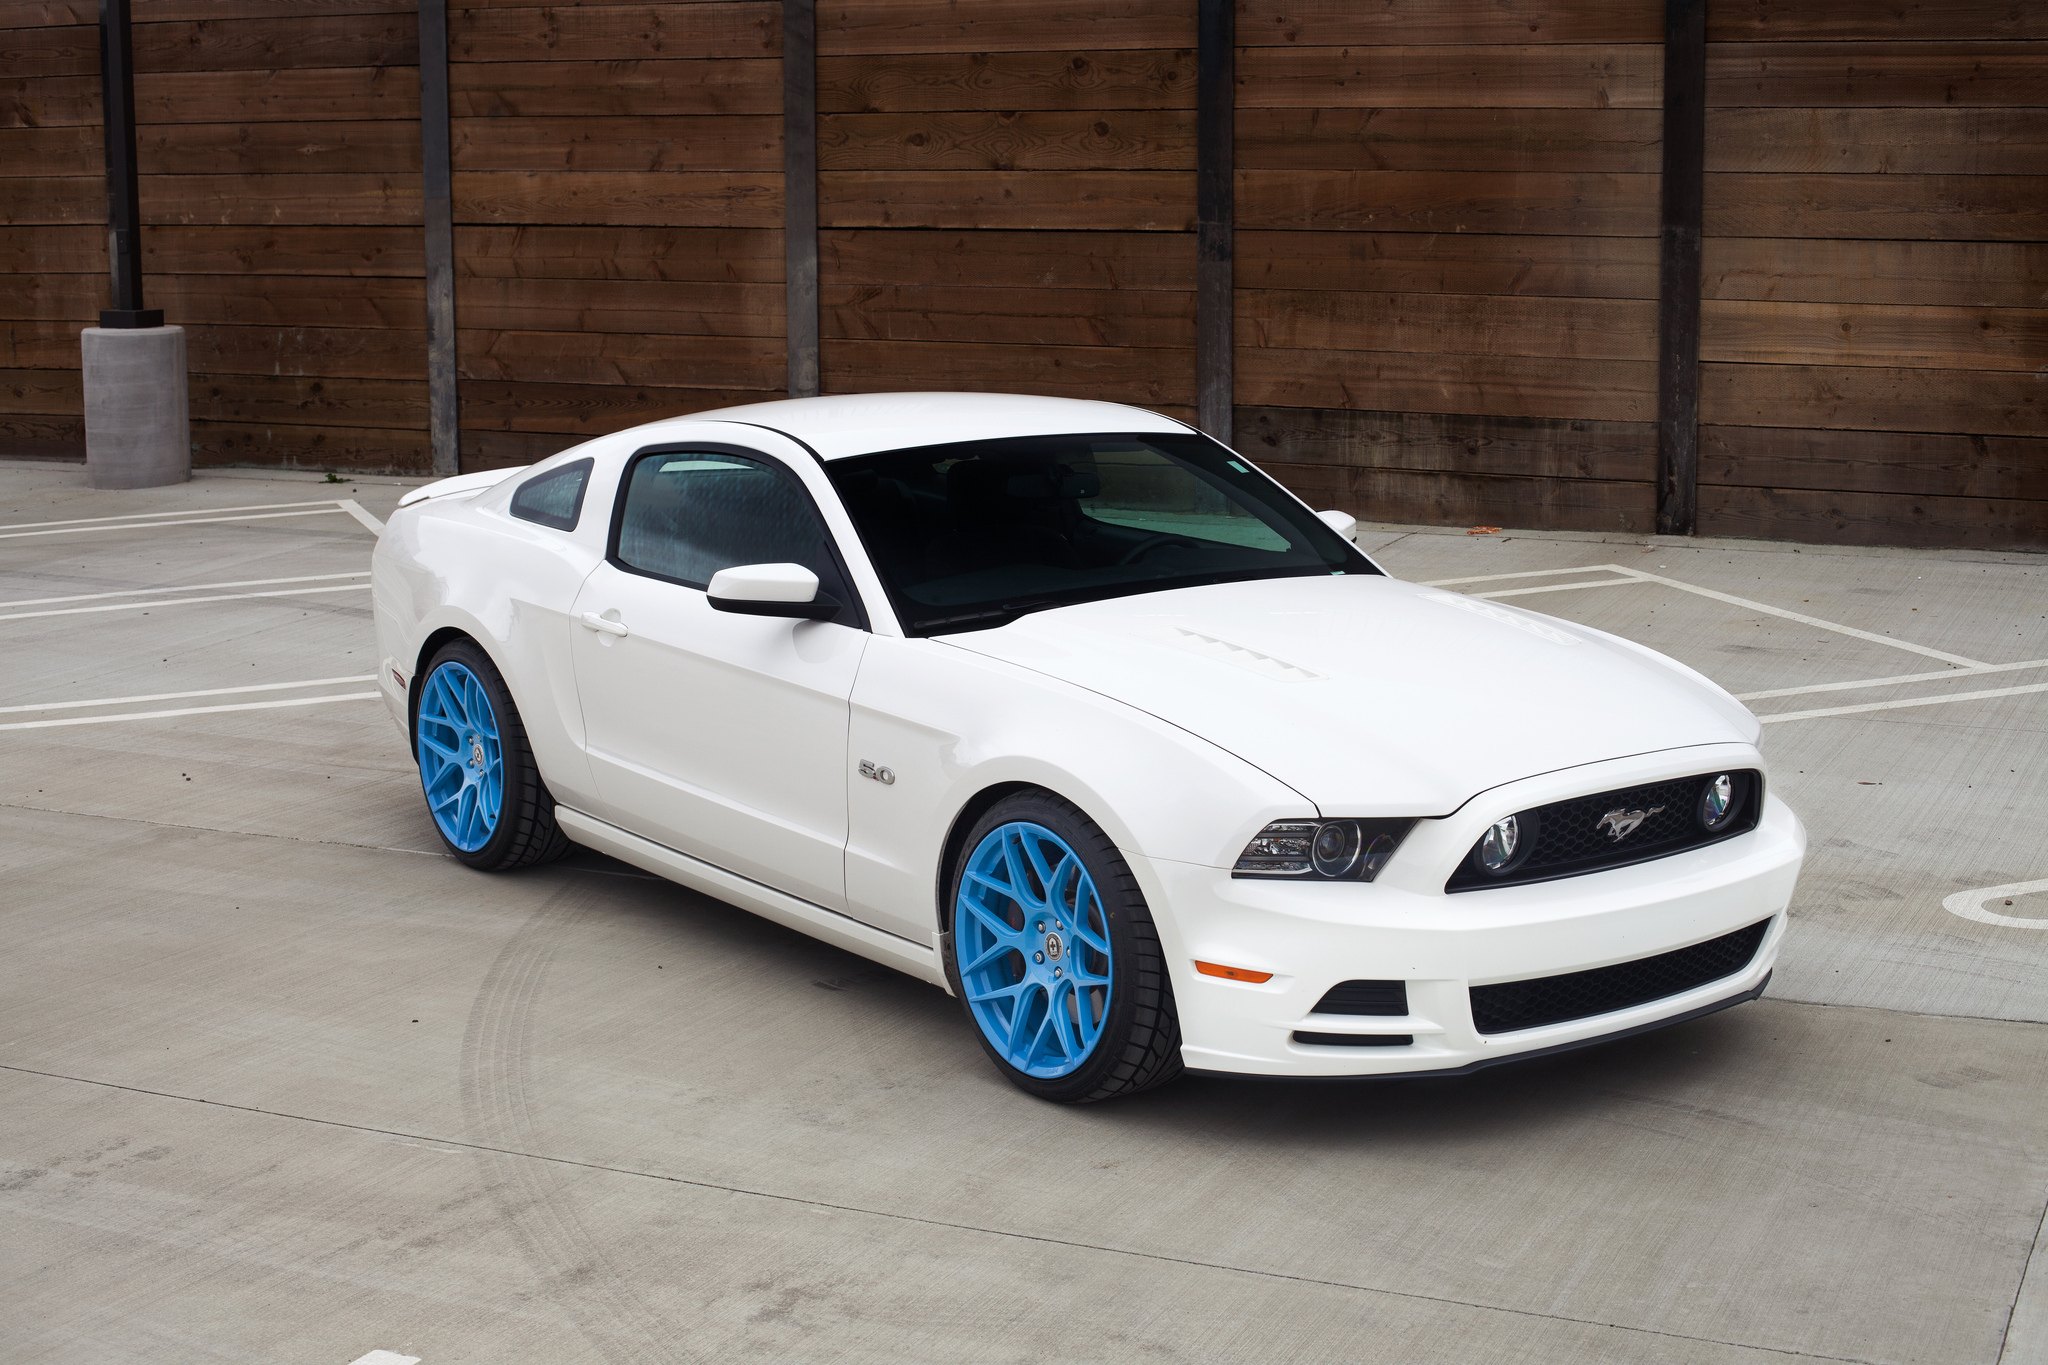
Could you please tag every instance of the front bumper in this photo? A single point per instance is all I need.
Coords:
(1314, 936)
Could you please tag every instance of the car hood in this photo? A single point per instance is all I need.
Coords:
(1371, 696)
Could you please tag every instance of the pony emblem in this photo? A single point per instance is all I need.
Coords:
(1619, 823)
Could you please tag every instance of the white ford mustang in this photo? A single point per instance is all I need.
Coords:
(1068, 709)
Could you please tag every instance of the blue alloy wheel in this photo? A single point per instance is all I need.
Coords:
(1031, 941)
(462, 762)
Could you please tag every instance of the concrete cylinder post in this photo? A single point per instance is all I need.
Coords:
(137, 424)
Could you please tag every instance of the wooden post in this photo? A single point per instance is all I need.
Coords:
(444, 416)
(800, 191)
(1678, 275)
(1215, 216)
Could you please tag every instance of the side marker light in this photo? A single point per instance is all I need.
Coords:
(1232, 973)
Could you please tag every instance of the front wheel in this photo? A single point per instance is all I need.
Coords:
(481, 783)
(1054, 953)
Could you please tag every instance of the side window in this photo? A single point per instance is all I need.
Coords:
(686, 515)
(555, 498)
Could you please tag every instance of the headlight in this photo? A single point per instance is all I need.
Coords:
(1328, 850)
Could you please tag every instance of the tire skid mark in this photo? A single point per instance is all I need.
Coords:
(534, 1199)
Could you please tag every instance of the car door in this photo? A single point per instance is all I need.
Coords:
(720, 735)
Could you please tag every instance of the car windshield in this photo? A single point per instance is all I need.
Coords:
(978, 533)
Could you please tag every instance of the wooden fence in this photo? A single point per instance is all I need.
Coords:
(1429, 290)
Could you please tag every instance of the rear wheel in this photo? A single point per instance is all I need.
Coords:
(1055, 956)
(482, 786)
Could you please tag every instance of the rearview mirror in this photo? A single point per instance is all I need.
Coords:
(770, 590)
(1343, 523)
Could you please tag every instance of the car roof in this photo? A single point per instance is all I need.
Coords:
(841, 425)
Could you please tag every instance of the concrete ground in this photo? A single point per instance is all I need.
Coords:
(278, 1082)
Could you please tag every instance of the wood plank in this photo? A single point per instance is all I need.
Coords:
(275, 43)
(1449, 263)
(651, 142)
(39, 436)
(1920, 335)
(249, 200)
(1575, 204)
(1911, 462)
(301, 96)
(1036, 317)
(1128, 200)
(74, 150)
(1448, 139)
(375, 450)
(1450, 499)
(277, 148)
(38, 13)
(1873, 518)
(1010, 260)
(847, 27)
(36, 345)
(55, 298)
(1875, 75)
(1556, 76)
(619, 253)
(48, 101)
(58, 392)
(71, 50)
(1536, 447)
(290, 300)
(1497, 386)
(1460, 324)
(1835, 20)
(1066, 79)
(746, 28)
(1010, 140)
(632, 89)
(674, 307)
(1118, 374)
(1879, 141)
(680, 198)
(352, 250)
(54, 199)
(1981, 274)
(1954, 207)
(800, 196)
(605, 358)
(1866, 398)
(53, 250)
(176, 10)
(316, 352)
(508, 449)
(1329, 23)
(585, 409)
(310, 401)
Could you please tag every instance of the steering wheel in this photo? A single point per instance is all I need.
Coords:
(1147, 546)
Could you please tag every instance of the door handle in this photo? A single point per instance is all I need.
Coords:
(603, 624)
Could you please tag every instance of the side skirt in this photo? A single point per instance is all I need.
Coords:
(920, 960)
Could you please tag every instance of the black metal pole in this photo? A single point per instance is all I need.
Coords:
(1215, 216)
(1678, 285)
(124, 223)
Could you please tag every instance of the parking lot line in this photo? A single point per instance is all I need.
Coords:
(161, 515)
(329, 510)
(185, 587)
(147, 603)
(362, 514)
(187, 711)
(1981, 695)
(1503, 577)
(1970, 904)
(1558, 587)
(184, 696)
(1857, 684)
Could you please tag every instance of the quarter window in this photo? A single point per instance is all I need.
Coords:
(554, 498)
(688, 514)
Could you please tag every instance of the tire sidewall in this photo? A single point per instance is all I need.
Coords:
(1121, 904)
(493, 852)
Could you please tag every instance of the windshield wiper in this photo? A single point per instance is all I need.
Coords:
(999, 615)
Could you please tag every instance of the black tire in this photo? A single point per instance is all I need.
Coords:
(527, 833)
(1140, 1042)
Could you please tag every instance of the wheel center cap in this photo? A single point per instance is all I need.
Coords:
(1054, 946)
(476, 753)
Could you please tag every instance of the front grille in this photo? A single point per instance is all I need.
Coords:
(1566, 838)
(1512, 1005)
(1354, 1039)
(1365, 997)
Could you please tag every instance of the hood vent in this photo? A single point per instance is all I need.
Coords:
(1226, 652)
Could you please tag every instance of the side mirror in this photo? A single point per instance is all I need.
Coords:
(770, 590)
(1343, 523)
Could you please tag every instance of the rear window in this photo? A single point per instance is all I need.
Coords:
(554, 498)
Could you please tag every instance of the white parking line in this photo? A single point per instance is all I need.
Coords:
(182, 601)
(360, 513)
(329, 510)
(1502, 577)
(1557, 587)
(185, 696)
(1970, 904)
(186, 711)
(161, 514)
(1858, 684)
(383, 1357)
(185, 587)
(1982, 695)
